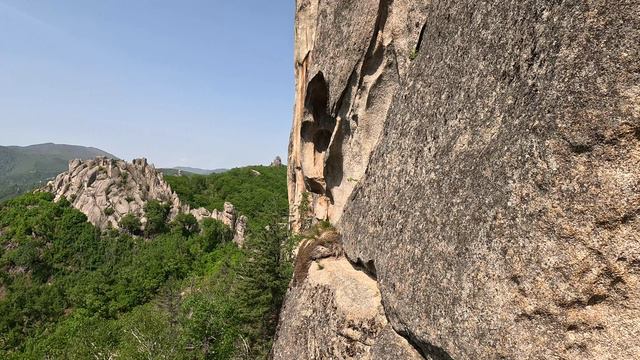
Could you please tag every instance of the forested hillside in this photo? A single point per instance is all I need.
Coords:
(181, 290)
(250, 189)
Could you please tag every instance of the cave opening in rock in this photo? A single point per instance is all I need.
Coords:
(317, 97)
(315, 185)
(321, 140)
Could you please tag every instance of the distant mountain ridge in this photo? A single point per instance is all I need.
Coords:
(200, 171)
(63, 151)
(23, 168)
(185, 170)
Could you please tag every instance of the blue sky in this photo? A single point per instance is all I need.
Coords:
(205, 83)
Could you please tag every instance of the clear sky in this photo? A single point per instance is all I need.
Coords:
(204, 83)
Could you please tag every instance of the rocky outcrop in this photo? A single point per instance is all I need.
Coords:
(348, 67)
(106, 190)
(277, 162)
(345, 320)
(240, 227)
(228, 216)
(497, 206)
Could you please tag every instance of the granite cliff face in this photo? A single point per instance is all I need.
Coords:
(480, 161)
(349, 61)
(106, 190)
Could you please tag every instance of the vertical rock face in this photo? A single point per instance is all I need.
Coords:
(498, 204)
(348, 68)
(240, 230)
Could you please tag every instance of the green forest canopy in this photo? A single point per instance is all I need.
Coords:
(70, 291)
(250, 189)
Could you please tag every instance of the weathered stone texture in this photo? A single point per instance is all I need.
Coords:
(106, 189)
(336, 313)
(499, 207)
(347, 70)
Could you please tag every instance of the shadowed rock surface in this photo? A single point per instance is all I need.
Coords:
(499, 206)
(348, 68)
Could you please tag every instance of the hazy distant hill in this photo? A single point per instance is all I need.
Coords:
(199, 171)
(24, 167)
(190, 170)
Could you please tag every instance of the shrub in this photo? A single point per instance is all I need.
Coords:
(156, 213)
(186, 224)
(413, 55)
(63, 202)
(304, 210)
(131, 224)
(214, 233)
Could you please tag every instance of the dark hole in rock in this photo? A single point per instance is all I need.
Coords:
(307, 130)
(596, 299)
(333, 171)
(317, 97)
(321, 140)
(314, 185)
(581, 148)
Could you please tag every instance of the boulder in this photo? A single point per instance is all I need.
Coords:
(336, 313)
(228, 217)
(200, 213)
(240, 229)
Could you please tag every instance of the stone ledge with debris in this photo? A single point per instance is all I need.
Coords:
(338, 307)
(106, 190)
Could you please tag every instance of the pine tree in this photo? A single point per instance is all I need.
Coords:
(265, 278)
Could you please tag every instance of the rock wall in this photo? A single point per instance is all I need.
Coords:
(106, 190)
(497, 204)
(347, 70)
